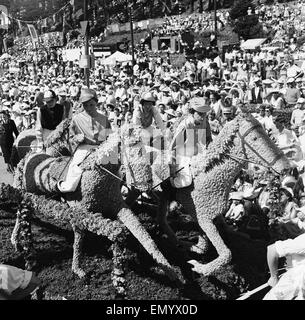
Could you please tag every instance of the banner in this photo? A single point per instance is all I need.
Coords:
(33, 33)
(84, 26)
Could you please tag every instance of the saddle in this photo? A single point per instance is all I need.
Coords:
(41, 173)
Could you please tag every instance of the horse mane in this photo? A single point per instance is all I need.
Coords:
(109, 152)
(58, 134)
(218, 148)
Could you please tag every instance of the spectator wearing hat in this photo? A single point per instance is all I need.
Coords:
(7, 131)
(236, 211)
(277, 100)
(66, 103)
(176, 94)
(292, 93)
(215, 104)
(226, 115)
(297, 115)
(191, 137)
(287, 140)
(256, 93)
(146, 114)
(89, 129)
(49, 116)
(214, 124)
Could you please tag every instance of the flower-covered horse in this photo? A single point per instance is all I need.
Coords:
(98, 195)
(241, 141)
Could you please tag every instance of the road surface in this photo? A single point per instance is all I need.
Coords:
(5, 177)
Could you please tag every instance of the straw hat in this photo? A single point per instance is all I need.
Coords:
(87, 95)
(200, 104)
(148, 96)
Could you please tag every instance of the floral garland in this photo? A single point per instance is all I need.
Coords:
(57, 134)
(84, 220)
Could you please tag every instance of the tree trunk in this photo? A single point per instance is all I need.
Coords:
(200, 6)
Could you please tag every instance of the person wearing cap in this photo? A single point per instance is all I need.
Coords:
(88, 129)
(292, 93)
(297, 115)
(146, 114)
(191, 137)
(7, 131)
(49, 116)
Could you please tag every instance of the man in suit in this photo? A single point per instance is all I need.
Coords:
(256, 96)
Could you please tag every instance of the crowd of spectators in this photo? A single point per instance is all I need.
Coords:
(269, 82)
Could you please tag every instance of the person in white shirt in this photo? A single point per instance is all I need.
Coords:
(298, 114)
(16, 284)
(287, 140)
(291, 285)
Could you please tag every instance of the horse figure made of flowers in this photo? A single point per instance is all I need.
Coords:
(97, 205)
(241, 141)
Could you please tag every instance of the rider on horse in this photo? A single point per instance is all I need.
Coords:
(89, 128)
(145, 114)
(49, 116)
(192, 136)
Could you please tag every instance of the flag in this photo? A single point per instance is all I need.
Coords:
(33, 32)
(72, 2)
(54, 18)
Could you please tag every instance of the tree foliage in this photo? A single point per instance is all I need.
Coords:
(248, 27)
(240, 8)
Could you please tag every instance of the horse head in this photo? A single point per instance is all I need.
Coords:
(135, 158)
(256, 146)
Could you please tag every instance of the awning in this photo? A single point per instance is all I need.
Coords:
(117, 57)
(252, 44)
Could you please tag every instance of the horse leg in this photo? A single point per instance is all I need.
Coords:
(78, 240)
(132, 223)
(224, 254)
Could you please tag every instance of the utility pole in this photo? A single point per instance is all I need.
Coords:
(215, 19)
(86, 70)
(131, 34)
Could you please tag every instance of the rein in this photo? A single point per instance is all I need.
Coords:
(269, 165)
